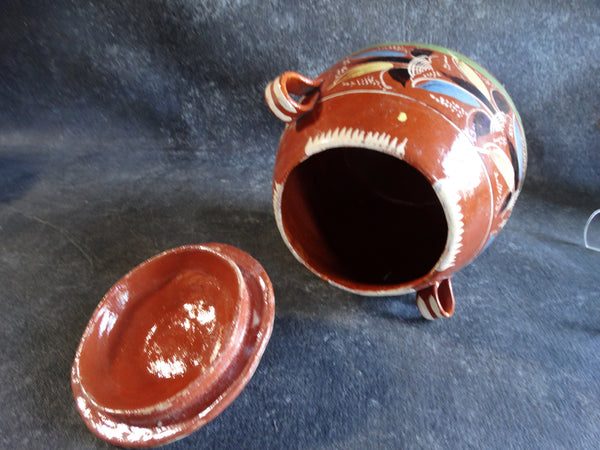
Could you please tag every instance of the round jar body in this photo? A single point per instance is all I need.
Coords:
(396, 168)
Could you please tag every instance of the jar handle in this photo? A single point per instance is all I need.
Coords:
(278, 95)
(436, 301)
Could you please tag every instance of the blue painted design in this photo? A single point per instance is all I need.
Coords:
(452, 90)
(519, 144)
(380, 53)
(488, 243)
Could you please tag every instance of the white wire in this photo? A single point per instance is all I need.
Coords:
(586, 229)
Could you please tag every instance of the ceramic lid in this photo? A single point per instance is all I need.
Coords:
(172, 344)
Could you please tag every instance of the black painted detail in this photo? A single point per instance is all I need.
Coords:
(515, 162)
(395, 59)
(481, 124)
(400, 74)
(501, 101)
(473, 90)
(420, 52)
(506, 201)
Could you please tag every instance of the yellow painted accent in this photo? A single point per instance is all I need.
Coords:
(402, 117)
(473, 77)
(364, 69)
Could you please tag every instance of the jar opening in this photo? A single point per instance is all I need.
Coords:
(360, 217)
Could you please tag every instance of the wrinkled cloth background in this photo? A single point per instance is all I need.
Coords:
(127, 128)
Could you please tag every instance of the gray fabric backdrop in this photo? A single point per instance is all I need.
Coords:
(127, 128)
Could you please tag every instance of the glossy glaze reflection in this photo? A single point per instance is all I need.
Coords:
(172, 344)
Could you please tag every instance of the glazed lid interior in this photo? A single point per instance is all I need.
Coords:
(172, 344)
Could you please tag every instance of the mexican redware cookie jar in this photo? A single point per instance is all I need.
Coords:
(396, 168)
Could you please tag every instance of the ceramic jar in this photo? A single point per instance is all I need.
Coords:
(396, 168)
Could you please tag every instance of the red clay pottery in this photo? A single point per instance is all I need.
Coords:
(396, 168)
(172, 344)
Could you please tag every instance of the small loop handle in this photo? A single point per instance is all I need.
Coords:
(278, 95)
(436, 301)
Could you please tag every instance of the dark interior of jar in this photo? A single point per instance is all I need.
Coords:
(362, 217)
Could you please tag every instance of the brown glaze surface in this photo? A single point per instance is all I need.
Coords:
(172, 344)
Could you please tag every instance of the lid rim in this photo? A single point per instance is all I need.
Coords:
(125, 428)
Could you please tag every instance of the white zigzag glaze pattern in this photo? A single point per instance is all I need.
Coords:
(450, 199)
(352, 137)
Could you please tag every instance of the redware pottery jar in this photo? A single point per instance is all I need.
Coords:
(396, 168)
